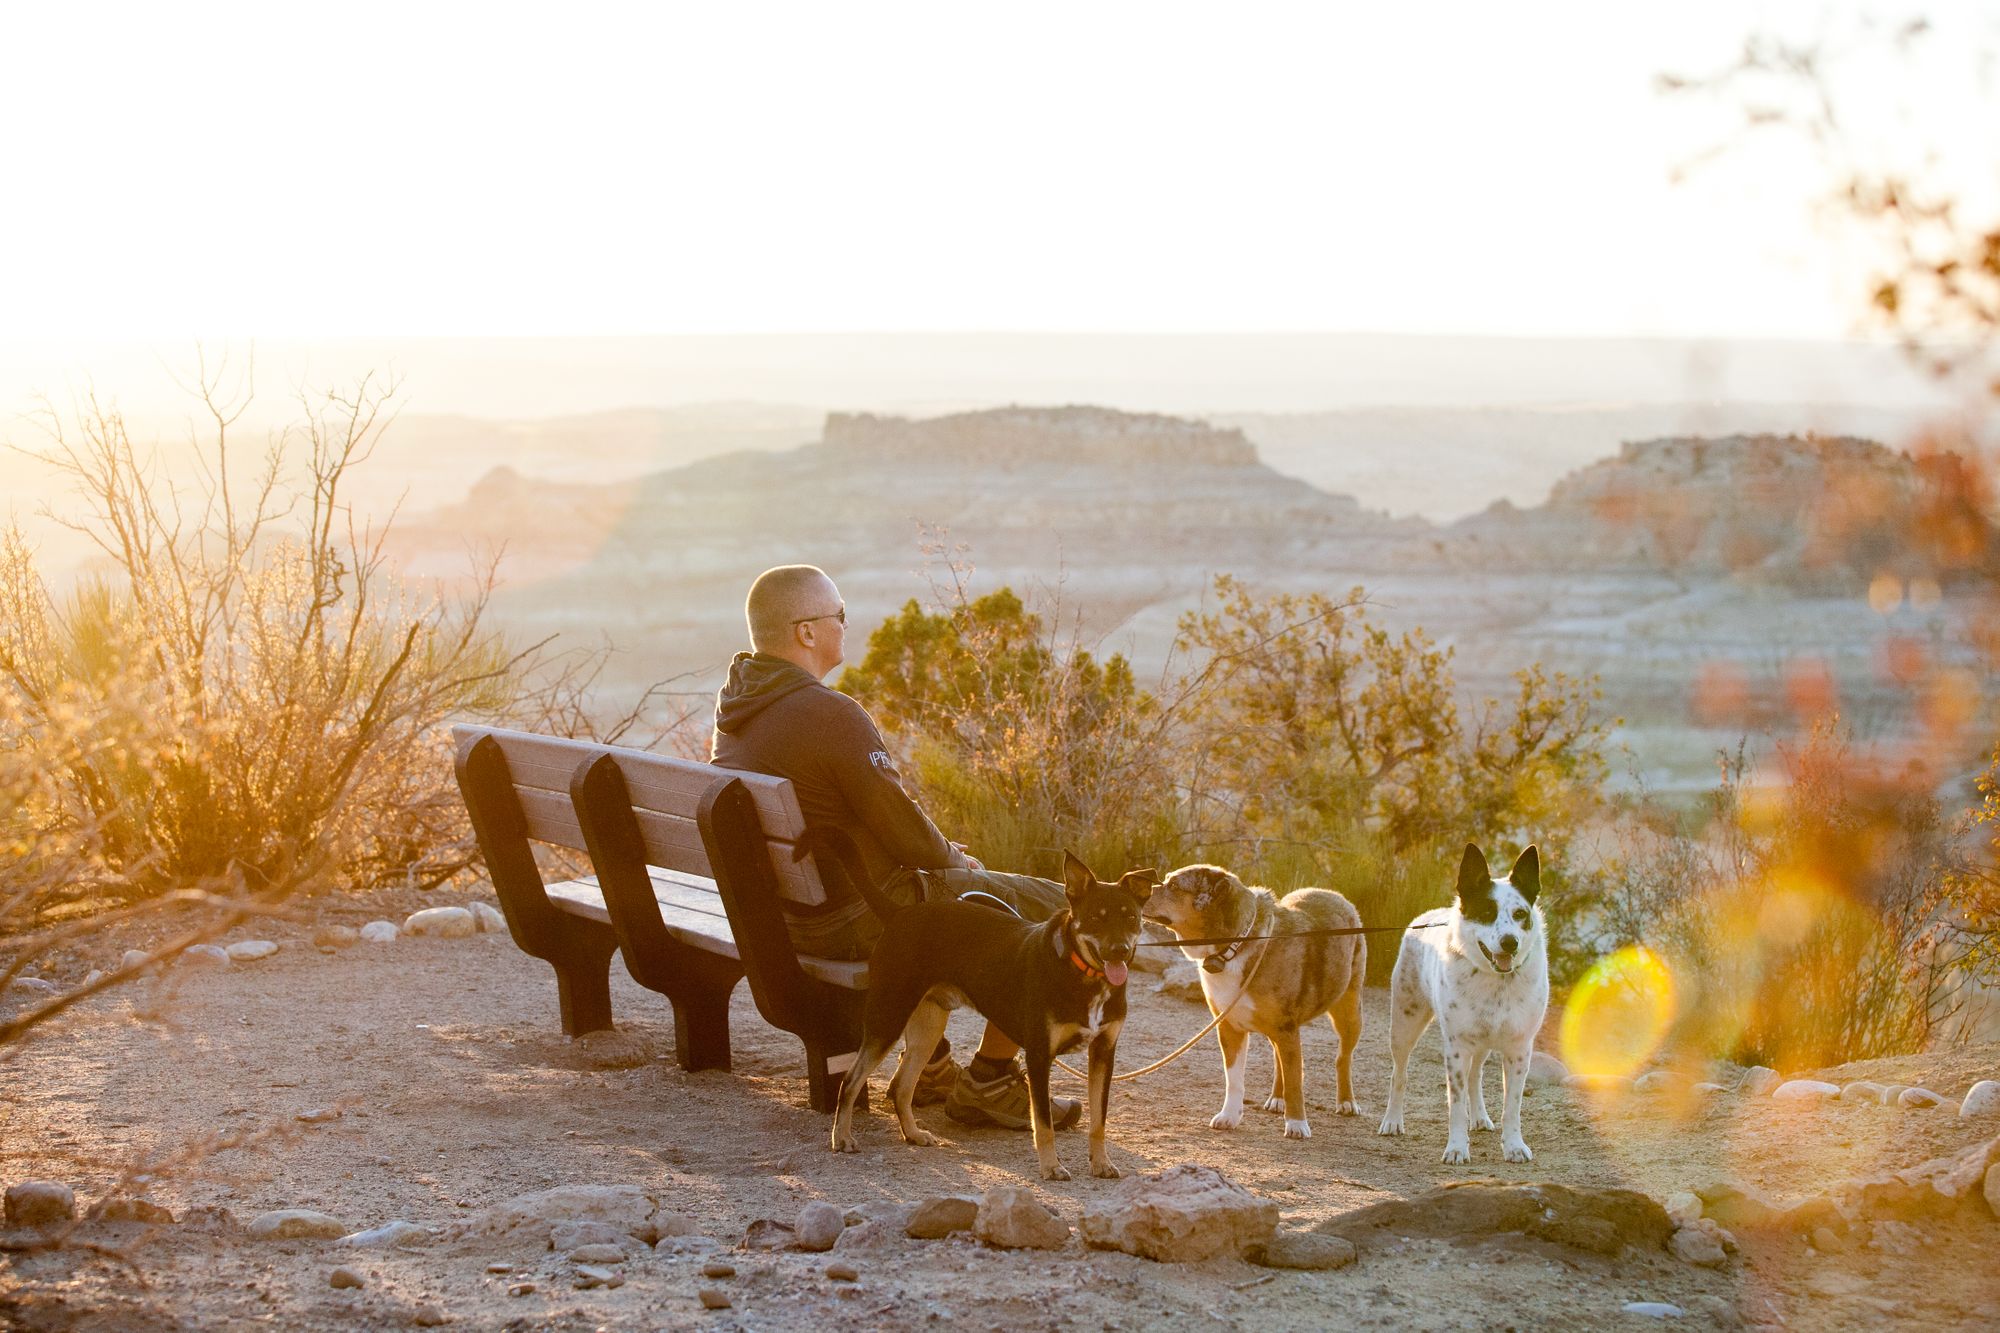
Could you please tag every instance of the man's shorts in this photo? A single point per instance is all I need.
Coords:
(851, 930)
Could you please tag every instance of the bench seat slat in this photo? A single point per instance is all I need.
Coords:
(692, 912)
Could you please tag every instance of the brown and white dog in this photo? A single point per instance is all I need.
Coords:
(1271, 988)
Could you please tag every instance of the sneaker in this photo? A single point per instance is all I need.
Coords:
(938, 1080)
(1003, 1101)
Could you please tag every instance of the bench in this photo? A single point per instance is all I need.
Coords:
(691, 864)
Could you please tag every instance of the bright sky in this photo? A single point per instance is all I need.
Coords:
(412, 168)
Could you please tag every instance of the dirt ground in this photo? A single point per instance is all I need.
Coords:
(459, 1091)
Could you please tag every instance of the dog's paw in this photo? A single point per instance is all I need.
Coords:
(1517, 1151)
(844, 1143)
(921, 1138)
(1055, 1172)
(1347, 1108)
(1484, 1121)
(1391, 1124)
(1456, 1154)
(1298, 1129)
(1104, 1171)
(1275, 1105)
(1226, 1118)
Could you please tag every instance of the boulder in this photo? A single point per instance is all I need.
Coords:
(1758, 1080)
(445, 923)
(891, 1213)
(1182, 980)
(603, 1253)
(206, 955)
(1181, 1215)
(1692, 1245)
(379, 932)
(1862, 1090)
(344, 1278)
(486, 918)
(40, 1203)
(1012, 1218)
(1653, 1309)
(1602, 1221)
(818, 1226)
(767, 1234)
(531, 1219)
(1544, 1069)
(399, 1235)
(335, 937)
(936, 1218)
(567, 1236)
(1918, 1099)
(249, 951)
(1304, 1250)
(1684, 1208)
(134, 958)
(868, 1236)
(1981, 1099)
(32, 986)
(1808, 1090)
(296, 1224)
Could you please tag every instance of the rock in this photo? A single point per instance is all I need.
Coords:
(842, 1272)
(335, 937)
(91, 978)
(716, 1268)
(889, 1212)
(429, 1316)
(1759, 1080)
(1012, 1218)
(1862, 1090)
(1918, 1099)
(132, 1210)
(40, 1203)
(487, 918)
(1691, 1245)
(296, 1224)
(591, 1276)
(206, 955)
(1657, 1080)
(134, 958)
(318, 1115)
(1181, 1215)
(398, 1234)
(1653, 1309)
(1303, 1250)
(341, 1278)
(1545, 1070)
(1603, 1084)
(1600, 1220)
(686, 1245)
(1982, 1098)
(1807, 1090)
(1708, 1089)
(1958, 1176)
(1707, 1226)
(249, 951)
(1891, 1092)
(379, 932)
(819, 1225)
(567, 1236)
(1181, 980)
(1684, 1208)
(1153, 959)
(531, 1219)
(711, 1299)
(521, 1289)
(445, 923)
(597, 1254)
(936, 1218)
(867, 1236)
(208, 1217)
(499, 1268)
(1735, 1205)
(32, 986)
(767, 1234)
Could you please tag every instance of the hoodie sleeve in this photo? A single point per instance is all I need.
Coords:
(859, 765)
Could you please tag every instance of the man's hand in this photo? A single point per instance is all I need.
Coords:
(971, 862)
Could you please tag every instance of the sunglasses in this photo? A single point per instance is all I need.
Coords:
(840, 615)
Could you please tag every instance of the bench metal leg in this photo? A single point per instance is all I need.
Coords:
(583, 988)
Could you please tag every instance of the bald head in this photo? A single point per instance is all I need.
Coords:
(780, 599)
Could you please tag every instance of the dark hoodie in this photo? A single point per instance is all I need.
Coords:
(771, 716)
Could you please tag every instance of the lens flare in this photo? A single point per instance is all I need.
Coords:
(1619, 1013)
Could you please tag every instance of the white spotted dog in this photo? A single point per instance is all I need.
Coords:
(1482, 971)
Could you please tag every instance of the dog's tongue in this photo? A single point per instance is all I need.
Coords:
(1115, 973)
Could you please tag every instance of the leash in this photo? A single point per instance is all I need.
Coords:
(1288, 935)
(1187, 1045)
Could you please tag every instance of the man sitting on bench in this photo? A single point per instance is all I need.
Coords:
(774, 715)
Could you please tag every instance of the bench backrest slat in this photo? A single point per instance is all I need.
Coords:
(665, 793)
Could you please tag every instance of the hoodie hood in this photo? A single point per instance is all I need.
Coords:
(755, 683)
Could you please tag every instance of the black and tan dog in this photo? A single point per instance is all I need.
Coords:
(1270, 988)
(1051, 987)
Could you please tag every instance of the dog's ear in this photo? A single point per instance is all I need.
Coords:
(1475, 881)
(1077, 878)
(1526, 876)
(1139, 883)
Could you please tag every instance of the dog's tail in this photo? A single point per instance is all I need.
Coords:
(821, 840)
